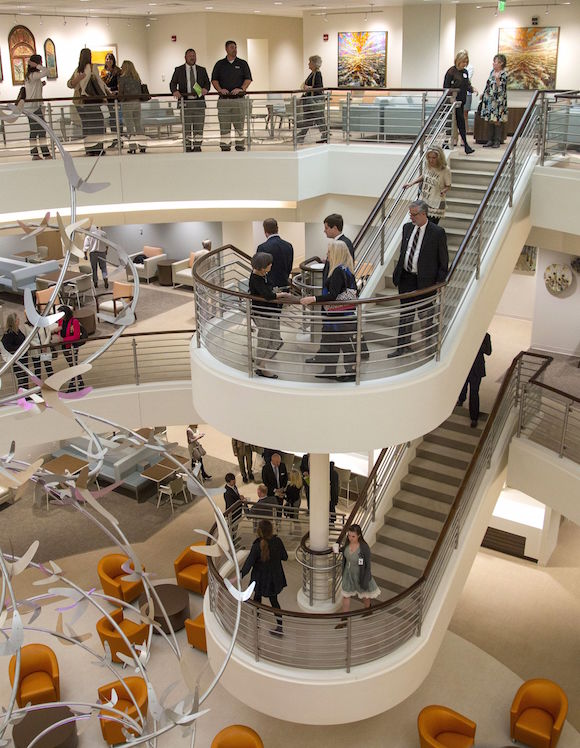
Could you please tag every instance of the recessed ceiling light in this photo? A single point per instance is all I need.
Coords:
(257, 11)
(209, 7)
(277, 2)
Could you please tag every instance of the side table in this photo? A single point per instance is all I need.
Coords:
(86, 315)
(164, 274)
(175, 600)
(35, 722)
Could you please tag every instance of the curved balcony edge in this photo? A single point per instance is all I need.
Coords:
(323, 697)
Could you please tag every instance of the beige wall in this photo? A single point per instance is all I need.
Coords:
(207, 34)
(390, 20)
(69, 40)
(477, 31)
(420, 52)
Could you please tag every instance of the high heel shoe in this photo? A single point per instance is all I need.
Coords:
(143, 149)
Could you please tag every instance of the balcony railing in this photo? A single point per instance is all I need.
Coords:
(344, 640)
(273, 120)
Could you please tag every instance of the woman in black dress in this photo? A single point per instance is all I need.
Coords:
(265, 562)
(457, 77)
(313, 102)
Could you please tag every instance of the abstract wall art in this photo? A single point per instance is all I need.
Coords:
(362, 58)
(532, 56)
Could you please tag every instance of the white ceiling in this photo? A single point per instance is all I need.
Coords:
(164, 7)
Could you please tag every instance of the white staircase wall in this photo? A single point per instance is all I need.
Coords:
(540, 473)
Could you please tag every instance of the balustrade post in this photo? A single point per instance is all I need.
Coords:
(327, 113)
(479, 243)
(311, 581)
(521, 413)
(513, 174)
(456, 532)
(374, 497)
(518, 381)
(333, 594)
(420, 608)
(348, 103)
(348, 643)
(441, 294)
(382, 234)
(248, 104)
(182, 118)
(539, 123)
(135, 360)
(423, 108)
(544, 132)
(256, 619)
(357, 363)
(249, 337)
(564, 428)
(295, 121)
(118, 128)
(50, 122)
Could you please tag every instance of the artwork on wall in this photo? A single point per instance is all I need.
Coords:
(99, 54)
(21, 45)
(527, 260)
(50, 60)
(362, 58)
(557, 278)
(532, 56)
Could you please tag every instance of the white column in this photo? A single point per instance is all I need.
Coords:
(319, 500)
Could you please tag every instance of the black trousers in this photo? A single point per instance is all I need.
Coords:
(273, 602)
(460, 119)
(37, 366)
(408, 283)
(92, 124)
(71, 356)
(474, 382)
(313, 115)
(37, 133)
(338, 335)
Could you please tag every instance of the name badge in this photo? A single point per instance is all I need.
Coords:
(361, 562)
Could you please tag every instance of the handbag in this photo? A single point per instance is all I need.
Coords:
(21, 95)
(349, 294)
(145, 95)
(93, 93)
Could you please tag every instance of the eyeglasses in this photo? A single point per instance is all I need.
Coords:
(416, 213)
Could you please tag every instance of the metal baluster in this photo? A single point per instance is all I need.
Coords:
(357, 363)
(479, 242)
(423, 108)
(135, 361)
(249, 337)
(348, 103)
(521, 413)
(545, 115)
(382, 234)
(512, 174)
(348, 643)
(50, 122)
(441, 294)
(564, 427)
(327, 112)
(374, 497)
(311, 580)
(248, 105)
(118, 128)
(182, 117)
(295, 121)
(420, 609)
(256, 619)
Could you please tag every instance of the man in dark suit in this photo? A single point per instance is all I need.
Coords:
(423, 262)
(267, 506)
(333, 225)
(231, 496)
(189, 85)
(282, 254)
(275, 476)
(476, 374)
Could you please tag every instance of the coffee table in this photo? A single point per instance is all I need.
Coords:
(164, 274)
(86, 315)
(64, 736)
(175, 600)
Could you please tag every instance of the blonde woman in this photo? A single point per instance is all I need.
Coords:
(436, 183)
(293, 493)
(458, 78)
(313, 101)
(339, 326)
(89, 93)
(130, 98)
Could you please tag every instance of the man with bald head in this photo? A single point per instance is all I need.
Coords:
(189, 85)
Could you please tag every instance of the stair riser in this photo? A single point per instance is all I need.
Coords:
(423, 511)
(481, 180)
(430, 493)
(460, 191)
(390, 563)
(401, 545)
(460, 207)
(416, 529)
(448, 442)
(449, 480)
(455, 223)
(455, 462)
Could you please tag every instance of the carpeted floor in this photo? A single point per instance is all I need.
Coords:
(63, 531)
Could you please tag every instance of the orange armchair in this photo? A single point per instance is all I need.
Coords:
(136, 633)
(38, 681)
(538, 713)
(110, 573)
(111, 729)
(237, 736)
(441, 727)
(191, 570)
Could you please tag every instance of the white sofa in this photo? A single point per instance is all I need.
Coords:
(181, 271)
(147, 270)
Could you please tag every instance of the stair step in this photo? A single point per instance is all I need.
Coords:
(471, 176)
(448, 439)
(392, 579)
(422, 505)
(414, 523)
(396, 558)
(461, 423)
(463, 206)
(432, 489)
(444, 455)
(411, 542)
(463, 410)
(435, 471)
(473, 191)
(472, 164)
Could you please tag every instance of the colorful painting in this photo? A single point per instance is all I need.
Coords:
(21, 45)
(362, 58)
(50, 60)
(99, 54)
(532, 56)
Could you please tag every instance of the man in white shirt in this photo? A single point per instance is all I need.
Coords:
(423, 262)
(189, 85)
(95, 248)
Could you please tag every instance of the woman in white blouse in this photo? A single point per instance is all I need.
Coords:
(33, 84)
(89, 93)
